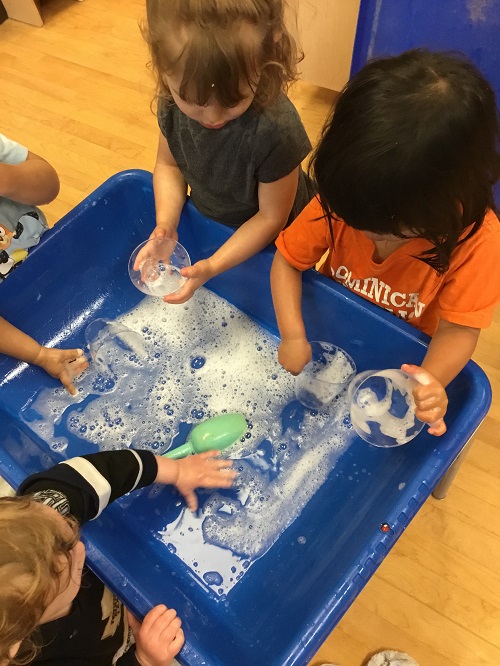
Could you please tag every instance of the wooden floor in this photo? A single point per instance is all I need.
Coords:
(77, 92)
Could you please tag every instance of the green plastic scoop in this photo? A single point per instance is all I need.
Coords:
(219, 432)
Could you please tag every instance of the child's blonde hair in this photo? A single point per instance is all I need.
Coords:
(31, 546)
(215, 58)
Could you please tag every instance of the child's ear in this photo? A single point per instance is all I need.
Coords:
(278, 34)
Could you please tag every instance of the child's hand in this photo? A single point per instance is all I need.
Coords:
(198, 274)
(430, 398)
(294, 354)
(149, 251)
(203, 470)
(159, 638)
(63, 364)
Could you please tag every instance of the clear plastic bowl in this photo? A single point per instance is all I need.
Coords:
(382, 407)
(154, 266)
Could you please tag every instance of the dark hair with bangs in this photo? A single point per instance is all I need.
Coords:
(411, 149)
(216, 58)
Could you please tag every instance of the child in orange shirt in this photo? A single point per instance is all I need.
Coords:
(405, 210)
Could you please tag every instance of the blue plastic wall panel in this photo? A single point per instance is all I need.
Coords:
(388, 27)
(290, 599)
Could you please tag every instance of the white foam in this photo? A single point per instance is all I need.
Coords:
(163, 281)
(203, 358)
(368, 408)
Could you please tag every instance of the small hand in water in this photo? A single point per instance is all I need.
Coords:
(203, 470)
(198, 274)
(150, 250)
(63, 364)
(430, 398)
(294, 354)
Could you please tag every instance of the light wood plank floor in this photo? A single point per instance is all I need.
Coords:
(77, 92)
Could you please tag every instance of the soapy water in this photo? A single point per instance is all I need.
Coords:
(383, 409)
(157, 372)
(160, 261)
(161, 279)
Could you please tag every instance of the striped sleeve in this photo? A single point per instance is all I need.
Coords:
(89, 483)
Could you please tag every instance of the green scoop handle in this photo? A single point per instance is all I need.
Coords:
(219, 432)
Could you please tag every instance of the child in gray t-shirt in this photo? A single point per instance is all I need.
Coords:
(228, 131)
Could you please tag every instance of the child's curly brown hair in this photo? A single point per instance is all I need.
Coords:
(207, 42)
(32, 548)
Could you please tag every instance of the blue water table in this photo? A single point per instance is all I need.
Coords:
(287, 603)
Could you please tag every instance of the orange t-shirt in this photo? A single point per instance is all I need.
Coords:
(466, 294)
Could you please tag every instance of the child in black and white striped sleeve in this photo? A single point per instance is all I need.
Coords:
(46, 616)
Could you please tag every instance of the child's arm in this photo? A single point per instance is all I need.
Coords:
(294, 351)
(275, 203)
(32, 182)
(91, 482)
(170, 190)
(450, 349)
(63, 364)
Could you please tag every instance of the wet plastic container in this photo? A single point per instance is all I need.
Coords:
(291, 598)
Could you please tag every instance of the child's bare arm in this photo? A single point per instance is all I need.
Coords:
(275, 203)
(294, 351)
(32, 182)
(449, 350)
(170, 191)
(56, 362)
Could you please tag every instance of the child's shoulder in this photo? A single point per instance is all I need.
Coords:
(280, 114)
(488, 234)
(491, 225)
(481, 249)
(279, 127)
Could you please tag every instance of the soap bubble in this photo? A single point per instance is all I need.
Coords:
(154, 266)
(325, 377)
(382, 407)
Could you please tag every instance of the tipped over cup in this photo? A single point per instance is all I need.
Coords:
(155, 266)
(325, 376)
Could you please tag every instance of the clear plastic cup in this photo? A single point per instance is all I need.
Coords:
(382, 407)
(325, 376)
(114, 349)
(154, 266)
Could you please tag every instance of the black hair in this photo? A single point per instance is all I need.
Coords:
(411, 149)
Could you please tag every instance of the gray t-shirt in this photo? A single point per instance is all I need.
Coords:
(224, 167)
